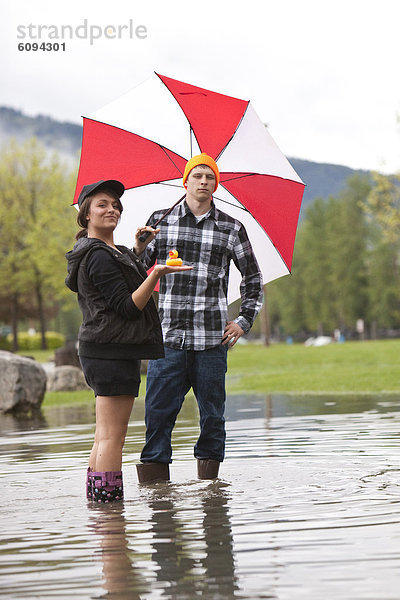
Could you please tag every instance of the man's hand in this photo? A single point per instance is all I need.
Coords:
(139, 246)
(232, 333)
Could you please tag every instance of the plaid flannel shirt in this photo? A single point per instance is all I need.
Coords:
(193, 305)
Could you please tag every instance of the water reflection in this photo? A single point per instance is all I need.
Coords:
(24, 422)
(308, 502)
(121, 577)
(192, 541)
(190, 544)
(280, 405)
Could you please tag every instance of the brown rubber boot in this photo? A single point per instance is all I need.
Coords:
(152, 471)
(207, 468)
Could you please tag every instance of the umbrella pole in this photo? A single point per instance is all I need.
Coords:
(146, 234)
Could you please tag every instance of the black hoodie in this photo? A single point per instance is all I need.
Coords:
(112, 327)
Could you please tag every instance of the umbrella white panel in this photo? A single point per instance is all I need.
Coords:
(139, 203)
(252, 150)
(150, 110)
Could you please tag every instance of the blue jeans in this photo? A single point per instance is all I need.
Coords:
(168, 381)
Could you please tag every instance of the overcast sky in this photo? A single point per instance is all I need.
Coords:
(323, 76)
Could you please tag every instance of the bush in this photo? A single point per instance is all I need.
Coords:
(54, 340)
(28, 341)
(5, 344)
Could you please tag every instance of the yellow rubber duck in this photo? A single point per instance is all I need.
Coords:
(173, 260)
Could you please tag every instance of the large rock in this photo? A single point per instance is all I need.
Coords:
(22, 383)
(67, 355)
(66, 379)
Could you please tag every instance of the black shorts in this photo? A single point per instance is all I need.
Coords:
(112, 377)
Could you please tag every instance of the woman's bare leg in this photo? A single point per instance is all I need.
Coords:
(112, 418)
(93, 454)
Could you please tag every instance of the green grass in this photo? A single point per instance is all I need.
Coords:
(39, 355)
(64, 398)
(353, 367)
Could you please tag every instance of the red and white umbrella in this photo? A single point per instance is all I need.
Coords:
(144, 139)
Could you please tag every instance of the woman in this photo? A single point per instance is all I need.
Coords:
(120, 326)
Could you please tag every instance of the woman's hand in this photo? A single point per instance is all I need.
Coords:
(139, 246)
(165, 269)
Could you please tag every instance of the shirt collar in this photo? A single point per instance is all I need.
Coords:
(183, 209)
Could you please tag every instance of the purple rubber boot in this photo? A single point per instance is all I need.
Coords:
(107, 486)
(89, 484)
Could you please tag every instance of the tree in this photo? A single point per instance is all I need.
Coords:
(383, 204)
(286, 298)
(329, 285)
(382, 207)
(349, 244)
(383, 285)
(37, 226)
(316, 266)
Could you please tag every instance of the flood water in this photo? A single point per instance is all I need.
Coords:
(307, 506)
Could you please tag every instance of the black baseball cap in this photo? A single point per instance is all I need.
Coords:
(112, 184)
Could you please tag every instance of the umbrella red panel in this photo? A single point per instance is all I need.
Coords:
(112, 153)
(275, 204)
(213, 117)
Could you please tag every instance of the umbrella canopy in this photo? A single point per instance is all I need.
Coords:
(144, 139)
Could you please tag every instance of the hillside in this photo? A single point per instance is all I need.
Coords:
(322, 180)
(61, 136)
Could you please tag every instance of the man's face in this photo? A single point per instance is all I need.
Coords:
(200, 183)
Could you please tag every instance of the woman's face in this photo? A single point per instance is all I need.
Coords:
(103, 213)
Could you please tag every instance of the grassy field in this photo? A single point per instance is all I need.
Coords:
(68, 398)
(39, 355)
(352, 367)
(356, 367)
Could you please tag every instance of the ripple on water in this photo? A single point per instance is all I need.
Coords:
(307, 506)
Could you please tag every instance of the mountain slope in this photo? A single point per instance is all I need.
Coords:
(321, 179)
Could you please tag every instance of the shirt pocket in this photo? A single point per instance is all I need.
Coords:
(167, 244)
(214, 259)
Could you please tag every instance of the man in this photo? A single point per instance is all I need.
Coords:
(194, 316)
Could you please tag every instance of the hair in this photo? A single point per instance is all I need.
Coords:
(85, 208)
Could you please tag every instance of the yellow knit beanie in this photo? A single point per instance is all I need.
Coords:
(201, 159)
